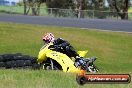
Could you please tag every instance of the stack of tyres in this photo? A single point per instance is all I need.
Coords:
(9, 61)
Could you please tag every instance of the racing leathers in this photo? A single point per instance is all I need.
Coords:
(64, 46)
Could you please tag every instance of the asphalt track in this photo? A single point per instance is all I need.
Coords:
(112, 25)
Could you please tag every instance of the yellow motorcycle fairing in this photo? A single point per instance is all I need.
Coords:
(42, 54)
(66, 63)
(82, 53)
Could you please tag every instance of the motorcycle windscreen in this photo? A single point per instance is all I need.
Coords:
(66, 62)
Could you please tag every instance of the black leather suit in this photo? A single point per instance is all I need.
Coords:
(65, 47)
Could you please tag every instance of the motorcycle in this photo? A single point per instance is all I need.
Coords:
(50, 59)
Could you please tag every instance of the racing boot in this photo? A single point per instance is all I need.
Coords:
(92, 59)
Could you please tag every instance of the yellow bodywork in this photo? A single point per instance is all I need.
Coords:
(66, 62)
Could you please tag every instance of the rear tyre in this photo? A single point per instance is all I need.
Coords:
(81, 80)
(92, 68)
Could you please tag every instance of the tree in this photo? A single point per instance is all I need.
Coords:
(25, 7)
(63, 4)
(87, 4)
(121, 7)
(96, 4)
(81, 5)
(34, 5)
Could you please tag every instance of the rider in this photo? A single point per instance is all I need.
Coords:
(64, 47)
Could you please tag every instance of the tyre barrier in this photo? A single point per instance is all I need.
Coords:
(9, 61)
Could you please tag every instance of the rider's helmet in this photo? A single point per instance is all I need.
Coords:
(48, 37)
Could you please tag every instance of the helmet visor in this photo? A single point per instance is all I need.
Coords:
(46, 41)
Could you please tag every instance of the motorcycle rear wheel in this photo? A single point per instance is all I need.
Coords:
(92, 69)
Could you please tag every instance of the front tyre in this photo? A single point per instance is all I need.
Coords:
(50, 65)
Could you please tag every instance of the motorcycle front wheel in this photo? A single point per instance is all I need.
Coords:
(49, 66)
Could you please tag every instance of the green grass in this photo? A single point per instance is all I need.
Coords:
(16, 9)
(130, 13)
(130, 9)
(113, 49)
(36, 79)
(20, 10)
